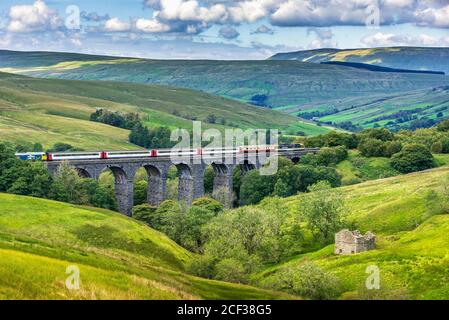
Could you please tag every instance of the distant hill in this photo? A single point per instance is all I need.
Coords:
(277, 84)
(404, 110)
(415, 58)
(118, 257)
(53, 110)
(375, 68)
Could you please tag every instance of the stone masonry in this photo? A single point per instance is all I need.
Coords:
(350, 242)
(191, 175)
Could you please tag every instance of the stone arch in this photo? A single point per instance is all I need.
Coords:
(246, 166)
(84, 173)
(124, 188)
(295, 160)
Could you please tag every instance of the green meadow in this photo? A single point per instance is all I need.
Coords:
(49, 111)
(118, 258)
(412, 242)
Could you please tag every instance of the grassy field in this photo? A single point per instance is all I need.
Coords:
(412, 242)
(49, 111)
(284, 83)
(118, 258)
(357, 169)
(382, 109)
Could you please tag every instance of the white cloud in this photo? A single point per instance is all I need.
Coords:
(33, 18)
(116, 25)
(390, 40)
(437, 17)
(313, 13)
(151, 26)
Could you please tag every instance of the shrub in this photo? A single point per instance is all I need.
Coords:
(443, 126)
(145, 213)
(391, 148)
(307, 280)
(208, 204)
(372, 148)
(412, 158)
(231, 270)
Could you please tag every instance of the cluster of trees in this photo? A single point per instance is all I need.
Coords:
(116, 119)
(181, 223)
(37, 147)
(31, 178)
(150, 138)
(409, 151)
(289, 180)
(240, 242)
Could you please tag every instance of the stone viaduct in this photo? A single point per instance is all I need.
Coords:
(190, 173)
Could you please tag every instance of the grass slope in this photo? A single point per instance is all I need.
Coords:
(412, 247)
(285, 83)
(51, 110)
(118, 258)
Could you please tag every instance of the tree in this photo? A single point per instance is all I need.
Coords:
(98, 195)
(209, 176)
(67, 186)
(32, 179)
(209, 204)
(443, 126)
(140, 192)
(323, 209)
(211, 119)
(145, 213)
(255, 187)
(392, 147)
(412, 158)
(372, 148)
(192, 237)
(63, 147)
(170, 219)
(306, 280)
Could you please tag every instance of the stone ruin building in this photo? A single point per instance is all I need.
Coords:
(350, 242)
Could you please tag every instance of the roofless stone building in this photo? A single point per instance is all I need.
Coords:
(350, 242)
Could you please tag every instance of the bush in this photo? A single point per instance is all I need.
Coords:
(381, 134)
(307, 280)
(372, 148)
(443, 126)
(326, 157)
(255, 187)
(391, 148)
(145, 213)
(208, 204)
(231, 270)
(413, 158)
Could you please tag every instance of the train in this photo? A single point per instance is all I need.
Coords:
(155, 153)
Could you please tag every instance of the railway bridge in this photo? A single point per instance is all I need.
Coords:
(191, 171)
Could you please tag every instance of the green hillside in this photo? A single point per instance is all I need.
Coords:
(52, 110)
(412, 242)
(416, 58)
(118, 258)
(392, 111)
(277, 84)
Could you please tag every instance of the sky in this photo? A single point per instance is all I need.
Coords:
(218, 29)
